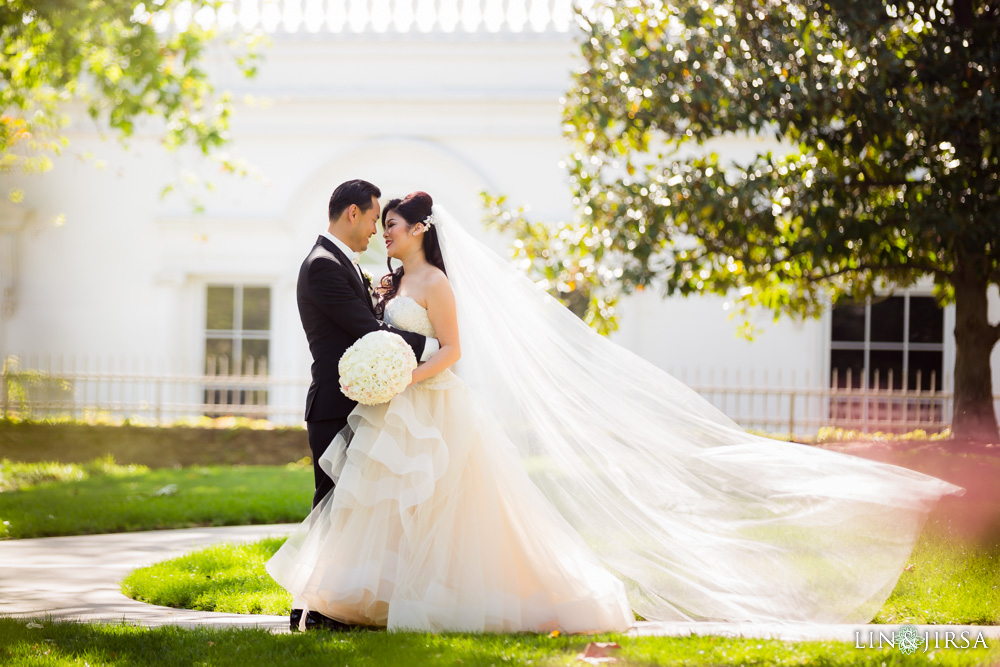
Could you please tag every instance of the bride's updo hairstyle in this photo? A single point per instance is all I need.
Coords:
(413, 208)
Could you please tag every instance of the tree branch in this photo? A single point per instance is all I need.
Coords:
(871, 182)
(879, 267)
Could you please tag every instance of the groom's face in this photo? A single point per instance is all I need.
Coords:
(365, 226)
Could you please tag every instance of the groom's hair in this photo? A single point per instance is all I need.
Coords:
(355, 192)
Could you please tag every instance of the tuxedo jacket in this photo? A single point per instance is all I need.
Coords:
(336, 310)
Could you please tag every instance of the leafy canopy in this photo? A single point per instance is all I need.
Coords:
(890, 115)
(109, 58)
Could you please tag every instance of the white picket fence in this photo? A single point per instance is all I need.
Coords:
(49, 385)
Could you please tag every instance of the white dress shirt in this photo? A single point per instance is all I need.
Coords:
(432, 344)
(350, 254)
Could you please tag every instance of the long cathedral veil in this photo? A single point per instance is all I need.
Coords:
(699, 519)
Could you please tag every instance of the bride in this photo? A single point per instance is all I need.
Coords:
(555, 480)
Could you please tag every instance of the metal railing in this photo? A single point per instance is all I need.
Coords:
(40, 386)
(795, 403)
(157, 392)
(366, 16)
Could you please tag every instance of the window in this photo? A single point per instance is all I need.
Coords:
(237, 344)
(887, 345)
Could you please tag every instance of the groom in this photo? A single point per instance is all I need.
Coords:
(335, 306)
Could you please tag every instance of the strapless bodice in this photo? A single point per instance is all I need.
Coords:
(404, 313)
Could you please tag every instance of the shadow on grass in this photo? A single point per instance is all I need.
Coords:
(158, 499)
(46, 643)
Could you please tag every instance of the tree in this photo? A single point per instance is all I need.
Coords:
(110, 58)
(890, 112)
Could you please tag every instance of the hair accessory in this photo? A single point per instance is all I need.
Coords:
(428, 221)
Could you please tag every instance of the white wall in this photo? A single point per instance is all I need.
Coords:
(453, 114)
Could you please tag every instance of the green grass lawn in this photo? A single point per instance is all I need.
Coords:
(48, 499)
(226, 577)
(22, 643)
(15, 475)
(954, 579)
(949, 583)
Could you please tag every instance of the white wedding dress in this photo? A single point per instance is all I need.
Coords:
(434, 524)
(557, 480)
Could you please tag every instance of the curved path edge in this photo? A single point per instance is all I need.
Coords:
(78, 579)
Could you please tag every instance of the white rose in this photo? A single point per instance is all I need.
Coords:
(377, 367)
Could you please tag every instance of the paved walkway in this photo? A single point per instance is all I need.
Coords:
(77, 578)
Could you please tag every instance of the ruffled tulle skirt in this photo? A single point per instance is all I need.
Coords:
(435, 525)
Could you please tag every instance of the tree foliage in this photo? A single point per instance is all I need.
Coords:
(561, 263)
(890, 114)
(109, 59)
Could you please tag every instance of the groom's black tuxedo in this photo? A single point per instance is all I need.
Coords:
(336, 310)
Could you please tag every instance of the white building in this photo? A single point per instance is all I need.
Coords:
(437, 100)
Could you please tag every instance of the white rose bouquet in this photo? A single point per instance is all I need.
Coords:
(376, 368)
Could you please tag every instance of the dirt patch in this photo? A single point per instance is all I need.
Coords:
(152, 446)
(975, 467)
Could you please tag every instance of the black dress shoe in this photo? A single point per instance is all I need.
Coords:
(316, 621)
(331, 624)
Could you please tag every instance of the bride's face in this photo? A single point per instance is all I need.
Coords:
(401, 238)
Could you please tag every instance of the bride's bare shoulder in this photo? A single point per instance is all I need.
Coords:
(437, 286)
(436, 276)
